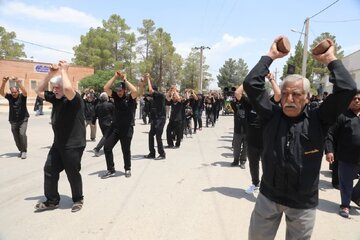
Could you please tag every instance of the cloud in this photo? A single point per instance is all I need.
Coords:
(229, 42)
(51, 14)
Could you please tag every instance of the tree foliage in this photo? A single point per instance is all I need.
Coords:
(8, 48)
(232, 73)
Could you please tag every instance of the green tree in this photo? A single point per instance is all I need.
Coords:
(161, 54)
(8, 48)
(97, 81)
(232, 73)
(191, 70)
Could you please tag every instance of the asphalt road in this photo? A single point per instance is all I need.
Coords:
(193, 194)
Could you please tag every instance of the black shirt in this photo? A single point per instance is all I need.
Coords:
(123, 119)
(67, 119)
(104, 111)
(240, 123)
(344, 138)
(17, 107)
(158, 109)
(176, 113)
(293, 147)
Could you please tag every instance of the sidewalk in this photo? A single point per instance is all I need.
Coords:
(192, 195)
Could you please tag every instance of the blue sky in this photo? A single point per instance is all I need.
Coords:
(231, 28)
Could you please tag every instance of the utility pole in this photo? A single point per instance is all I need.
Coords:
(201, 67)
(305, 53)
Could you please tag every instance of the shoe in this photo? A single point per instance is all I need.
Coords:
(344, 212)
(242, 165)
(77, 206)
(43, 206)
(149, 156)
(252, 189)
(127, 173)
(93, 139)
(160, 157)
(96, 153)
(234, 163)
(176, 147)
(108, 174)
(23, 155)
(169, 146)
(19, 155)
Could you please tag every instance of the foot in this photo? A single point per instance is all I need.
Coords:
(77, 206)
(19, 155)
(127, 173)
(242, 165)
(160, 157)
(344, 212)
(169, 146)
(44, 206)
(150, 155)
(96, 152)
(23, 155)
(234, 163)
(252, 189)
(108, 174)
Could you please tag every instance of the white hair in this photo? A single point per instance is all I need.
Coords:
(57, 80)
(297, 77)
(104, 97)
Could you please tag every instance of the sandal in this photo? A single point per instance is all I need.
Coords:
(77, 206)
(43, 206)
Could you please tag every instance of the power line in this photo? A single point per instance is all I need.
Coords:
(338, 21)
(323, 9)
(39, 45)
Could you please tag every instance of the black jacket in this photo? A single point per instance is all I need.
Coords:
(293, 147)
(343, 138)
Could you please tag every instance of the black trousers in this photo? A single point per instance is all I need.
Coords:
(112, 138)
(156, 129)
(18, 130)
(174, 127)
(57, 161)
(254, 156)
(105, 130)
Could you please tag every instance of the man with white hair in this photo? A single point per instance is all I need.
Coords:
(67, 119)
(293, 139)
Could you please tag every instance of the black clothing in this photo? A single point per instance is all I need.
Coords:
(89, 109)
(158, 119)
(122, 129)
(174, 127)
(17, 108)
(293, 147)
(344, 138)
(240, 122)
(67, 119)
(68, 123)
(104, 111)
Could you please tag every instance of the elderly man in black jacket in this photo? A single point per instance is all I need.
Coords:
(293, 137)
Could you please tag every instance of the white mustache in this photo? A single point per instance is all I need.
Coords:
(291, 105)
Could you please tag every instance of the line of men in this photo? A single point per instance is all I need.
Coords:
(293, 136)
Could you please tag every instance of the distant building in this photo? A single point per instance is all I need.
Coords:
(352, 64)
(32, 72)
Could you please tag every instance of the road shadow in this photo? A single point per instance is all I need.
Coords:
(227, 155)
(66, 202)
(226, 147)
(221, 164)
(326, 173)
(138, 157)
(232, 192)
(9, 155)
(226, 137)
(333, 207)
(102, 172)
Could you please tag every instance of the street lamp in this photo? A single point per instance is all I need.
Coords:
(201, 68)
(305, 52)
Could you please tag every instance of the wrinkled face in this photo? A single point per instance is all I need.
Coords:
(14, 92)
(355, 103)
(58, 90)
(293, 98)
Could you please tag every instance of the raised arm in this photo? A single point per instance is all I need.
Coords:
(2, 87)
(110, 83)
(68, 89)
(275, 87)
(130, 86)
(42, 86)
(21, 87)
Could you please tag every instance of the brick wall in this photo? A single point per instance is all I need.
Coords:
(32, 72)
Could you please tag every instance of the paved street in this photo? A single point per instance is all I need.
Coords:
(193, 194)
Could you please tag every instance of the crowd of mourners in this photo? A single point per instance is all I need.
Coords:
(286, 130)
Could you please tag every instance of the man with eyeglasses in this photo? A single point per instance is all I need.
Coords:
(18, 113)
(293, 136)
